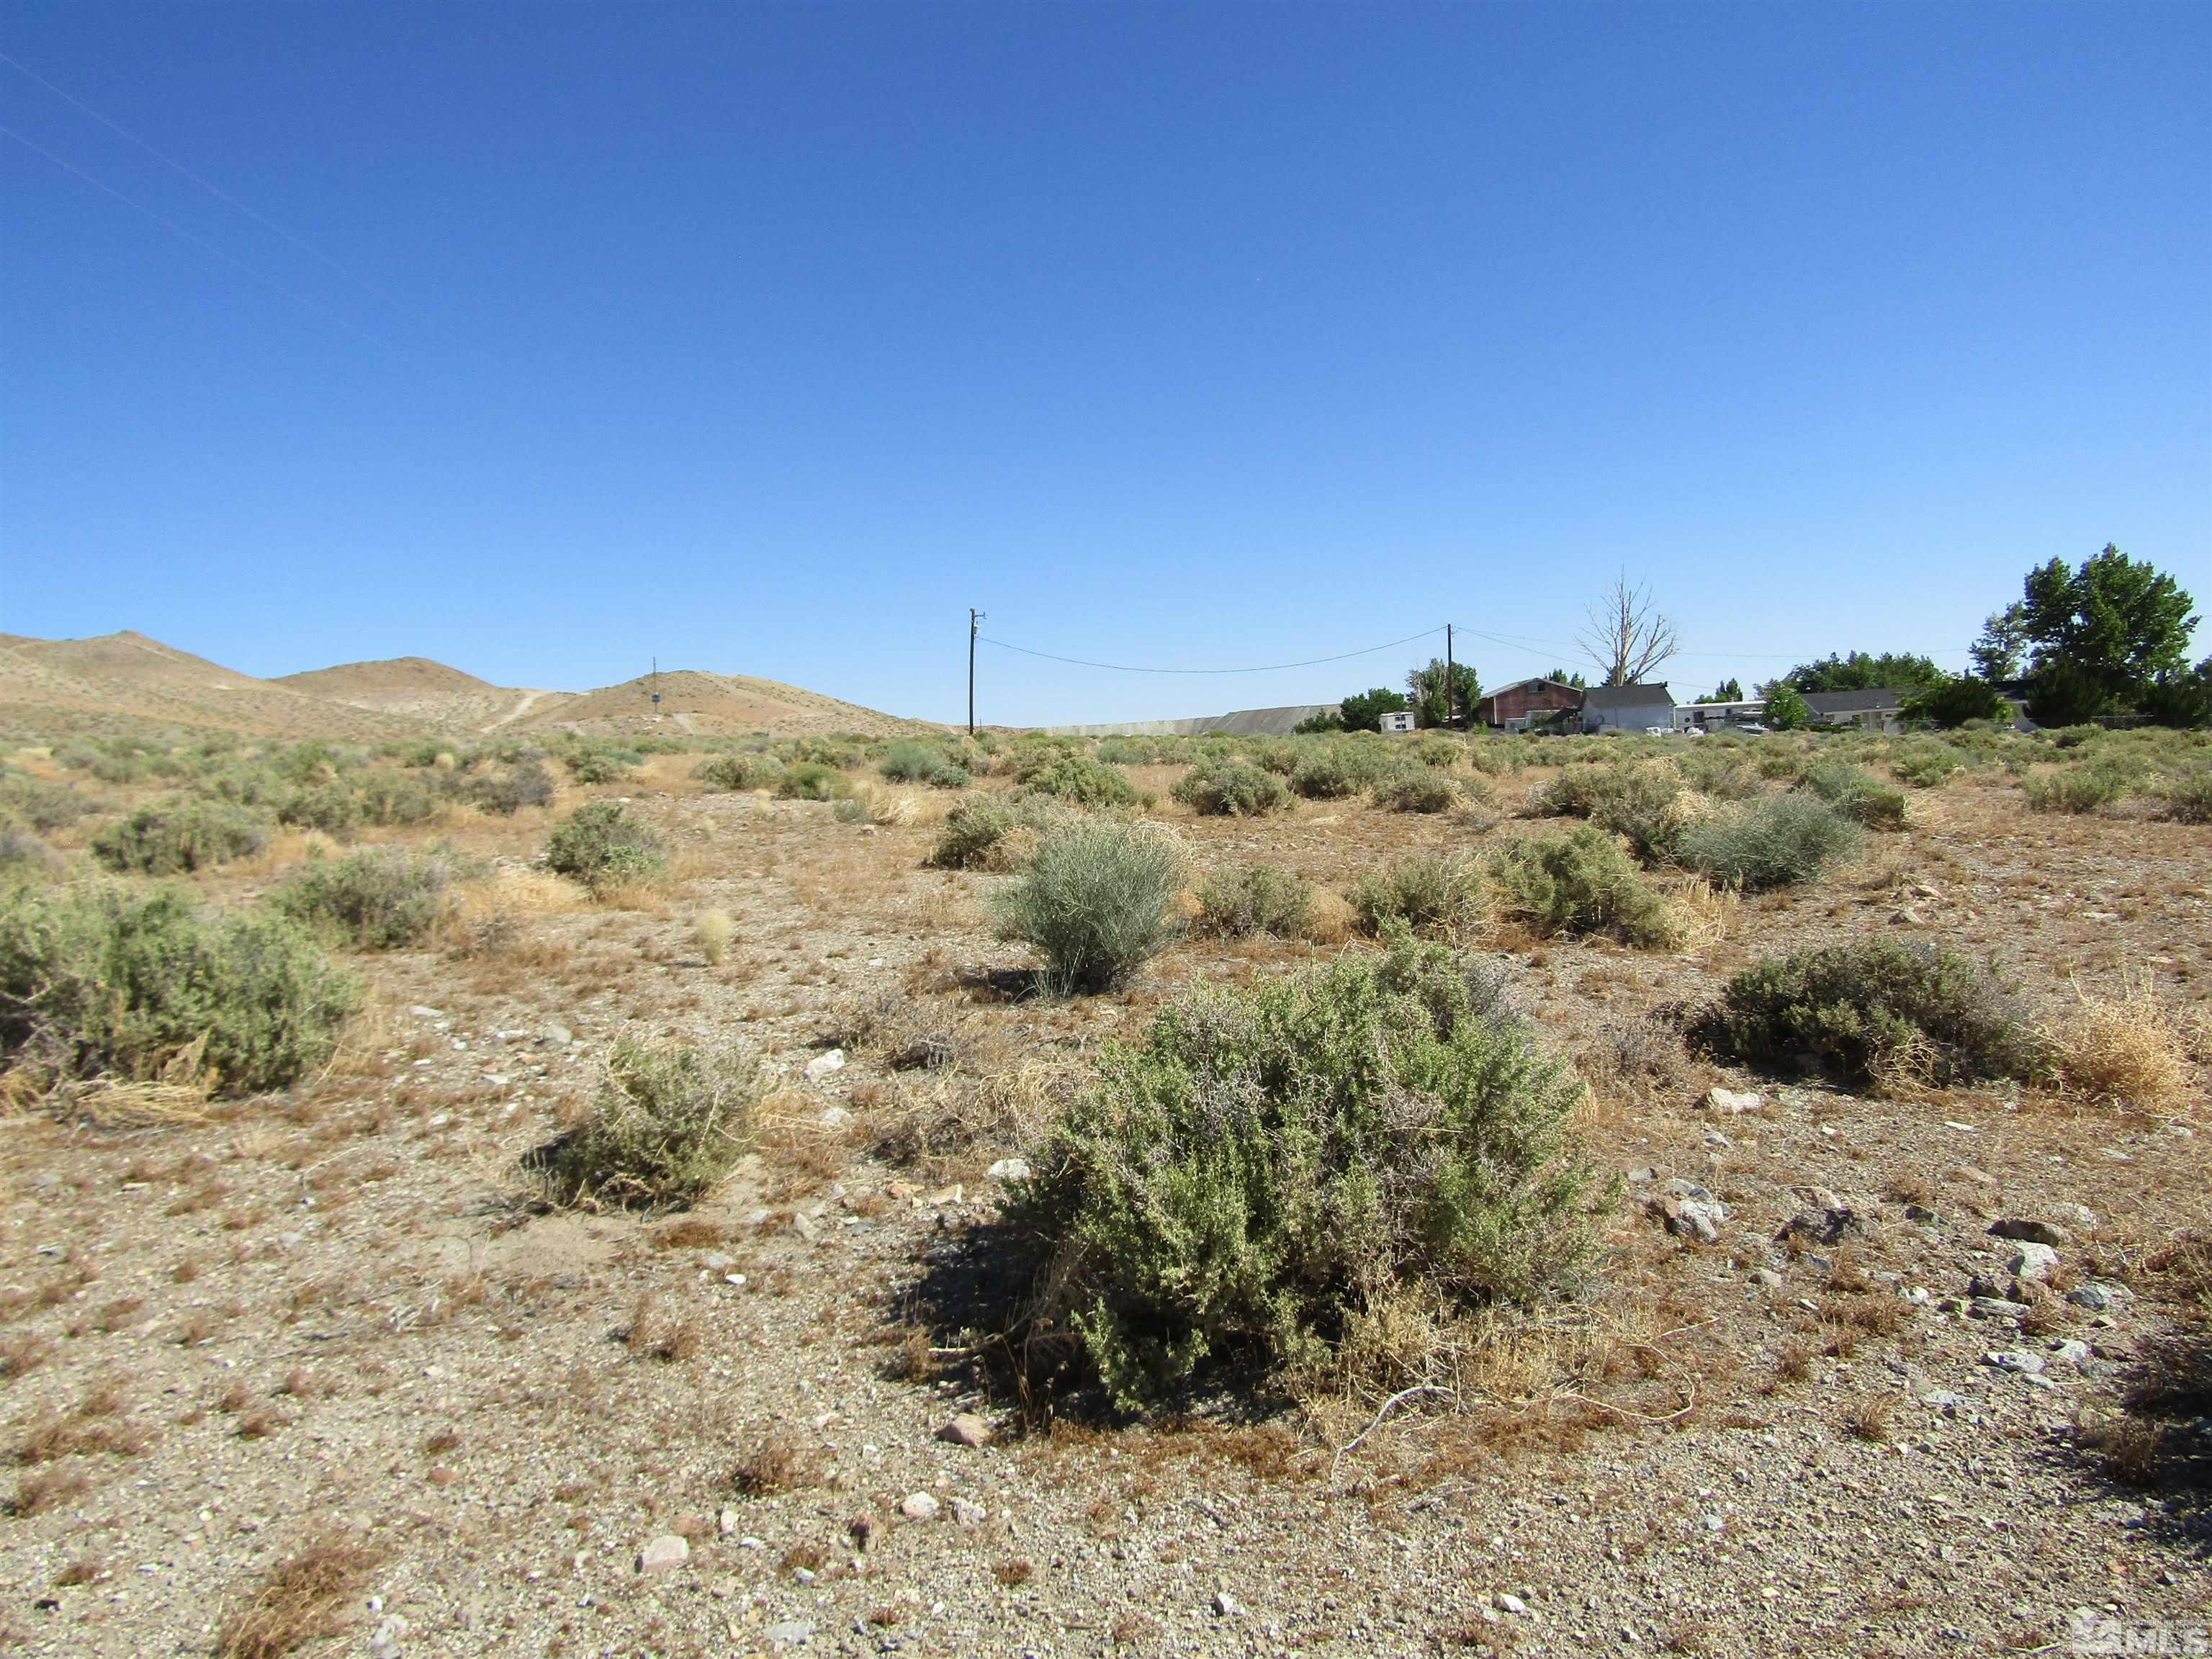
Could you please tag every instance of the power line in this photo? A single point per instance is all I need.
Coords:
(213, 189)
(1265, 668)
(197, 241)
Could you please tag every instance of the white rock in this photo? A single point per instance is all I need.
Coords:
(918, 1506)
(556, 1034)
(835, 1117)
(659, 1554)
(791, 1632)
(727, 1522)
(2071, 1352)
(385, 1643)
(1510, 1602)
(1010, 1169)
(421, 1012)
(2016, 1359)
(1225, 1605)
(1733, 1102)
(966, 1430)
(2034, 1262)
(821, 1065)
(969, 1515)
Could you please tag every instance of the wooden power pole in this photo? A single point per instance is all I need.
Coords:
(974, 618)
(1451, 682)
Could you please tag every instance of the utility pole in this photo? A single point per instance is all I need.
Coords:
(1451, 685)
(974, 618)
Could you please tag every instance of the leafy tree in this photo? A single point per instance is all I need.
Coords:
(1786, 708)
(2181, 700)
(1562, 676)
(1864, 671)
(1954, 701)
(2101, 635)
(1329, 719)
(1729, 690)
(1426, 687)
(1363, 711)
(2003, 647)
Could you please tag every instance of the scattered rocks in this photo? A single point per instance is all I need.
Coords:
(2014, 1360)
(1733, 1102)
(558, 1035)
(823, 1065)
(2100, 1295)
(921, 1506)
(969, 1515)
(669, 1550)
(1919, 1212)
(1826, 1221)
(2022, 1229)
(966, 1430)
(1688, 1211)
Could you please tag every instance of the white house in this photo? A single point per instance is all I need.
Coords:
(1876, 709)
(1402, 721)
(1718, 716)
(1628, 708)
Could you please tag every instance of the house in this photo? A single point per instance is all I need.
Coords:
(1879, 709)
(1509, 707)
(1628, 708)
(1718, 716)
(1400, 721)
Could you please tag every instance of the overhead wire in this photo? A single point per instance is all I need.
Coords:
(1264, 668)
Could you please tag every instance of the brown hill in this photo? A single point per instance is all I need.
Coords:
(53, 688)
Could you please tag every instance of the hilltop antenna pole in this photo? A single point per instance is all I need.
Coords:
(974, 618)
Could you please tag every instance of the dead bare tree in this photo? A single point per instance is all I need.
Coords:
(1628, 638)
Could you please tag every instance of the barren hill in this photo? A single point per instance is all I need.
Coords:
(114, 681)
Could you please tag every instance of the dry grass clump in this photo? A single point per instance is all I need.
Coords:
(301, 1600)
(667, 1122)
(712, 933)
(2127, 1047)
(776, 1463)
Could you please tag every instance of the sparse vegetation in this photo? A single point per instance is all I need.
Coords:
(1875, 1013)
(1783, 841)
(1075, 777)
(914, 762)
(179, 834)
(1233, 788)
(737, 773)
(1426, 891)
(302, 1600)
(1237, 900)
(1857, 794)
(381, 898)
(1096, 902)
(1271, 1166)
(104, 981)
(667, 1122)
(981, 833)
(1415, 789)
(603, 843)
(1581, 883)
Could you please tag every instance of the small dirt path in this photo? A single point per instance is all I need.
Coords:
(515, 713)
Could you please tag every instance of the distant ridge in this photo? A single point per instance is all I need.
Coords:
(129, 678)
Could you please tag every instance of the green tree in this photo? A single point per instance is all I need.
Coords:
(2003, 647)
(2101, 635)
(1786, 708)
(2181, 700)
(1364, 710)
(1864, 671)
(1729, 690)
(1956, 700)
(1426, 687)
(1562, 676)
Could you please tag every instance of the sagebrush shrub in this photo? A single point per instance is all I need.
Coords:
(1857, 794)
(380, 898)
(809, 780)
(1869, 1013)
(1074, 778)
(1780, 842)
(508, 791)
(103, 980)
(1923, 762)
(599, 765)
(1426, 891)
(1239, 899)
(739, 772)
(330, 807)
(1233, 788)
(385, 797)
(1238, 1191)
(39, 802)
(2077, 789)
(2185, 795)
(915, 761)
(1098, 902)
(667, 1122)
(1415, 789)
(178, 834)
(605, 842)
(1339, 770)
(713, 932)
(980, 833)
(1581, 883)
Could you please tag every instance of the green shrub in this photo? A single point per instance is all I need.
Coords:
(1857, 794)
(178, 834)
(2185, 795)
(24, 857)
(810, 781)
(37, 804)
(1239, 899)
(1415, 789)
(604, 842)
(1433, 748)
(1424, 891)
(1923, 763)
(1644, 803)
(101, 980)
(915, 761)
(328, 807)
(1723, 770)
(1876, 1012)
(1075, 778)
(2079, 789)
(380, 898)
(1781, 841)
(394, 797)
(1233, 788)
(1581, 883)
(599, 765)
(666, 1123)
(1097, 903)
(978, 834)
(739, 772)
(507, 792)
(1274, 1166)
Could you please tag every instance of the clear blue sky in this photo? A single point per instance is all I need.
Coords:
(768, 339)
